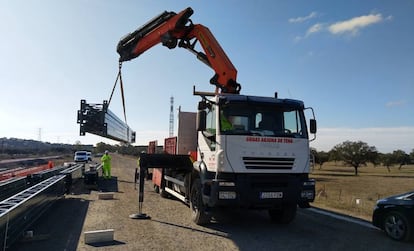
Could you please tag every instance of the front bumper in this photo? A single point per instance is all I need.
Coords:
(259, 190)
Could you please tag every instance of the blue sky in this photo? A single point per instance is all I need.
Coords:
(352, 61)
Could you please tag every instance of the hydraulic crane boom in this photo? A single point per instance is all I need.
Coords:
(171, 29)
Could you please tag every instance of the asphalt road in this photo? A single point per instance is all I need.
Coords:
(248, 230)
(309, 231)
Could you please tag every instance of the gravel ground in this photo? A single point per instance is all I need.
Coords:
(170, 226)
(62, 227)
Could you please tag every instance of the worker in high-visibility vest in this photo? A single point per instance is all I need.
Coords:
(106, 165)
(226, 125)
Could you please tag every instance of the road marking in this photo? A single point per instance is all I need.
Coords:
(343, 217)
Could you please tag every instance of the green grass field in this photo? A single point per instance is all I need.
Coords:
(338, 189)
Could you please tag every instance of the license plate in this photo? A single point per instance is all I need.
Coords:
(271, 195)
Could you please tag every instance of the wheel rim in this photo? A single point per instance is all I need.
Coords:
(395, 227)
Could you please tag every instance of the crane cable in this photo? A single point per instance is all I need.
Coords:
(119, 76)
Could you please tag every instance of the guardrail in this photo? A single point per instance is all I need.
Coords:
(18, 212)
(37, 177)
(12, 186)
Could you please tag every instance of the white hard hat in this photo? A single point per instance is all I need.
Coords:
(106, 151)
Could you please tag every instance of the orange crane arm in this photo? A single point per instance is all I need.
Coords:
(171, 29)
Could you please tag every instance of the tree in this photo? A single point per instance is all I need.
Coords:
(397, 157)
(401, 158)
(334, 155)
(412, 157)
(128, 149)
(355, 154)
(388, 160)
(374, 156)
(78, 145)
(320, 157)
(102, 147)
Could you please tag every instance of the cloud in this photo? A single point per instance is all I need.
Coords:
(303, 19)
(314, 29)
(297, 39)
(385, 139)
(395, 103)
(353, 25)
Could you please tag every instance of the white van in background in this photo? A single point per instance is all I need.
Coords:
(81, 156)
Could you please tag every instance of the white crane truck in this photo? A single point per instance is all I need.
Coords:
(251, 152)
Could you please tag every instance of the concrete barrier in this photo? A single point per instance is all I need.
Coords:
(97, 236)
(105, 196)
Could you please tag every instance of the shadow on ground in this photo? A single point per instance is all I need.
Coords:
(108, 185)
(106, 244)
(58, 228)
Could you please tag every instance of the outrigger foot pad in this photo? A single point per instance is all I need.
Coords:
(140, 216)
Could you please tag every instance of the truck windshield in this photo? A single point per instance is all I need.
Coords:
(278, 120)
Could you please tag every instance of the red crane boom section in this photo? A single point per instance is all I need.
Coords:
(171, 29)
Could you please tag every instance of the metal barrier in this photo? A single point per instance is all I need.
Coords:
(99, 120)
(20, 211)
(35, 178)
(72, 174)
(12, 186)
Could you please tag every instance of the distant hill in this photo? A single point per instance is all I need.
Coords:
(11, 148)
(14, 146)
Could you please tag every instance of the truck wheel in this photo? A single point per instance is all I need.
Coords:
(163, 193)
(156, 188)
(198, 209)
(283, 215)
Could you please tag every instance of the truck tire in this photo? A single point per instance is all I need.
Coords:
(284, 215)
(163, 193)
(156, 189)
(198, 209)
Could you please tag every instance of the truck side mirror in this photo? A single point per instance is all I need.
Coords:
(201, 120)
(313, 126)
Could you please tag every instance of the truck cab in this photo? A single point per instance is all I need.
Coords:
(254, 153)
